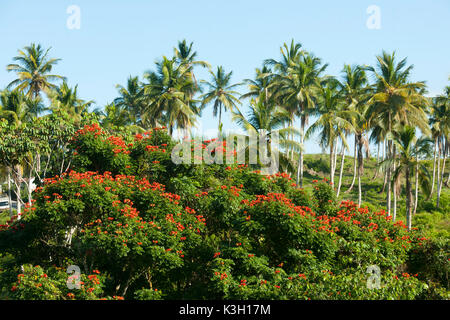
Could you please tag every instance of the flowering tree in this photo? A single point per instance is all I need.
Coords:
(140, 227)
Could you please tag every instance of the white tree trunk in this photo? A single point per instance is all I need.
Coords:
(341, 170)
(438, 191)
(394, 190)
(9, 192)
(443, 165)
(416, 195)
(388, 182)
(354, 167)
(434, 167)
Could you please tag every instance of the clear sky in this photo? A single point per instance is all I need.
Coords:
(121, 38)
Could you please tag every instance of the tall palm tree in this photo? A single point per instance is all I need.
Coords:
(440, 127)
(396, 100)
(355, 92)
(168, 96)
(65, 99)
(264, 120)
(295, 85)
(32, 68)
(131, 98)
(334, 121)
(289, 55)
(221, 94)
(409, 150)
(260, 85)
(444, 101)
(185, 55)
(115, 115)
(13, 107)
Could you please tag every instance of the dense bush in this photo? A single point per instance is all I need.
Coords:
(141, 227)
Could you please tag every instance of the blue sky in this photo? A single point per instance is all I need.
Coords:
(122, 38)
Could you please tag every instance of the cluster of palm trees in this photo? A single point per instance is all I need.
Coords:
(387, 110)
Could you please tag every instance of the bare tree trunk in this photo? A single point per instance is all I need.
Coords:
(30, 190)
(354, 167)
(438, 173)
(335, 156)
(359, 189)
(389, 184)
(394, 186)
(416, 196)
(300, 159)
(408, 199)
(9, 192)
(443, 164)
(341, 170)
(18, 184)
(360, 168)
(332, 162)
(434, 167)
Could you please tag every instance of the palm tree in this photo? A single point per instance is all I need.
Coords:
(220, 92)
(13, 107)
(185, 55)
(440, 127)
(131, 98)
(334, 122)
(355, 91)
(65, 100)
(444, 101)
(396, 100)
(32, 68)
(295, 86)
(265, 120)
(409, 149)
(115, 115)
(168, 96)
(289, 55)
(260, 85)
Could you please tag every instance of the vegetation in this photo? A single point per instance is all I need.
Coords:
(97, 190)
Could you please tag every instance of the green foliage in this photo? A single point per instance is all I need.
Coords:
(210, 231)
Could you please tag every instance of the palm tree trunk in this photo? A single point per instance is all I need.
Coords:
(408, 198)
(385, 152)
(359, 188)
(434, 167)
(354, 167)
(443, 164)
(332, 162)
(360, 168)
(394, 186)
(300, 159)
(220, 120)
(416, 195)
(378, 160)
(438, 192)
(388, 182)
(335, 157)
(341, 170)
